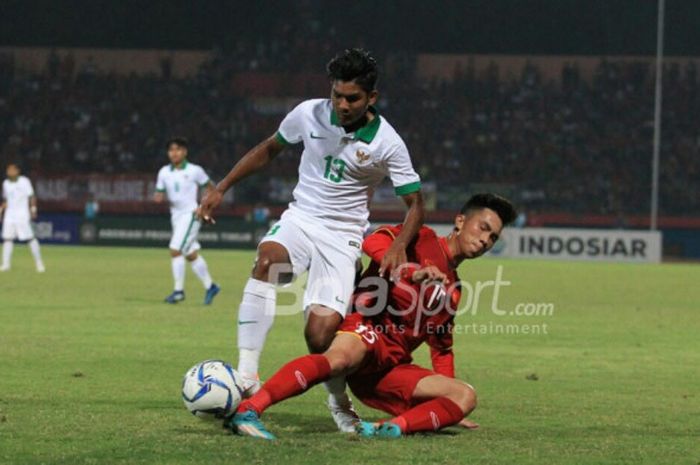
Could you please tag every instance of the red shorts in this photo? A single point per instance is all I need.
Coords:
(387, 379)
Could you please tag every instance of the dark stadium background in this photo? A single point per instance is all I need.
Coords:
(548, 102)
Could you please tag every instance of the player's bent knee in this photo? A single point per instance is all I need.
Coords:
(273, 269)
(339, 361)
(465, 397)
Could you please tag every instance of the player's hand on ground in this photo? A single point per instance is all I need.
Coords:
(211, 200)
(395, 256)
(429, 273)
(468, 424)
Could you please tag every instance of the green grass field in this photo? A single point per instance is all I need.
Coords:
(91, 363)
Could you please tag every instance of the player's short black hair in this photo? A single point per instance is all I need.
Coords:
(502, 206)
(354, 64)
(13, 163)
(179, 141)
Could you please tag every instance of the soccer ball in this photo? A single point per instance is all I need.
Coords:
(212, 389)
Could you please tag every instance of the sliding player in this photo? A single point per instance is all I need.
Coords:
(348, 149)
(19, 206)
(181, 182)
(373, 348)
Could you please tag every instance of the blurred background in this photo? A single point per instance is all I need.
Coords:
(551, 103)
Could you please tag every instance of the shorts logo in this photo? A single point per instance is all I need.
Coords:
(435, 419)
(301, 379)
(354, 244)
(361, 156)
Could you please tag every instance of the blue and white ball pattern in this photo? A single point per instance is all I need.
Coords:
(212, 389)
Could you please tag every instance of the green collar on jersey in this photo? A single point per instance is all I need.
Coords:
(367, 132)
(182, 166)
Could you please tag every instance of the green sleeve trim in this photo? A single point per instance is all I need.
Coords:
(160, 190)
(281, 139)
(205, 184)
(408, 188)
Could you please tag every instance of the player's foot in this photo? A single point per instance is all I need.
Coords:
(175, 297)
(388, 430)
(366, 429)
(343, 414)
(211, 293)
(5, 268)
(40, 268)
(248, 424)
(251, 385)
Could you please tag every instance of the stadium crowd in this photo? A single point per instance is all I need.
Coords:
(567, 145)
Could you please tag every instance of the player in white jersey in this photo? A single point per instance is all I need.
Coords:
(181, 181)
(348, 149)
(19, 206)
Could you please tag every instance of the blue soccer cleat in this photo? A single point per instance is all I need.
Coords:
(175, 297)
(388, 430)
(211, 293)
(248, 424)
(366, 429)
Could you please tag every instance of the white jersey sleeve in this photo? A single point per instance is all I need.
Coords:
(403, 177)
(291, 128)
(28, 187)
(200, 177)
(160, 181)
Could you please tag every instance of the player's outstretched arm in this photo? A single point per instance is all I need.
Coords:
(32, 207)
(396, 255)
(254, 160)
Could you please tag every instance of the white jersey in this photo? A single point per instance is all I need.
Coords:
(17, 194)
(181, 185)
(337, 169)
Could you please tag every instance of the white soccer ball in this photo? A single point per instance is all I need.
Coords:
(212, 389)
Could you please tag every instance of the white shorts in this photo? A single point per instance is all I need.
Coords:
(21, 230)
(328, 255)
(185, 230)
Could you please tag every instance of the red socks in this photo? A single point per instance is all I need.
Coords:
(291, 380)
(432, 415)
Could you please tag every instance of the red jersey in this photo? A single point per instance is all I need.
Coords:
(404, 319)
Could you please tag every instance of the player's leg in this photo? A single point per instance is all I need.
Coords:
(345, 355)
(426, 402)
(201, 270)
(177, 265)
(25, 233)
(327, 298)
(8, 236)
(444, 402)
(273, 265)
(7, 247)
(180, 241)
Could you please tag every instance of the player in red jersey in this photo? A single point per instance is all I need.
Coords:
(392, 318)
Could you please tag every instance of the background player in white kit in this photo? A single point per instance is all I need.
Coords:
(19, 207)
(181, 181)
(348, 149)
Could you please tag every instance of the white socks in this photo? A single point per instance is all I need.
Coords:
(255, 316)
(336, 388)
(178, 264)
(199, 266)
(34, 247)
(7, 247)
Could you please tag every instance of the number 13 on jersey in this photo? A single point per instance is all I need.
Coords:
(334, 169)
